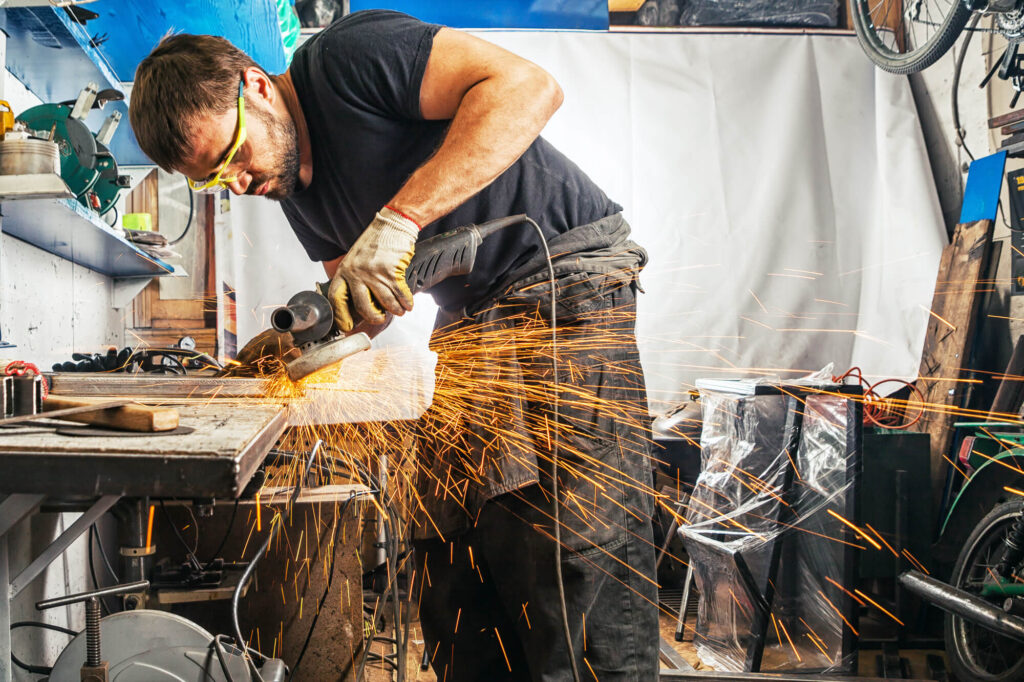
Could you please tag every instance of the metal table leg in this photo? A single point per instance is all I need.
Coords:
(5, 616)
(63, 541)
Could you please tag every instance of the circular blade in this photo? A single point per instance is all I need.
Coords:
(326, 354)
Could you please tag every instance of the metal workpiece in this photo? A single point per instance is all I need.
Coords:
(27, 396)
(84, 384)
(24, 155)
(965, 605)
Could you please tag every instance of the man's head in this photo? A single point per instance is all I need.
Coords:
(186, 115)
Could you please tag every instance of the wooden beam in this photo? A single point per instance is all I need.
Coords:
(126, 417)
(949, 336)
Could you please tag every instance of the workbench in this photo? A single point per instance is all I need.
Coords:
(38, 465)
(216, 460)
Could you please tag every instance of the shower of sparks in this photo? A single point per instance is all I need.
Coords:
(487, 418)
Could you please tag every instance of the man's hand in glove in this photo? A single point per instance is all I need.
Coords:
(371, 276)
(266, 353)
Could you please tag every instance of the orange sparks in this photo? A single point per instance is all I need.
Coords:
(502, 645)
(149, 527)
(878, 606)
(855, 529)
(879, 536)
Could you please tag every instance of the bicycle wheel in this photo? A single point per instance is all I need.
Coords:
(904, 36)
(974, 652)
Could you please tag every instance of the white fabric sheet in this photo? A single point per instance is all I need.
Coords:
(779, 182)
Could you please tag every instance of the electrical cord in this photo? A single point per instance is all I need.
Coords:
(227, 534)
(555, 511)
(188, 225)
(189, 552)
(37, 669)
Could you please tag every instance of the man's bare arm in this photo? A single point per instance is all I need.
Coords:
(497, 102)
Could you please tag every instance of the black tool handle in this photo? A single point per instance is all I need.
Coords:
(451, 253)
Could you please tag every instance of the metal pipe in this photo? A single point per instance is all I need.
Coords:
(123, 588)
(963, 604)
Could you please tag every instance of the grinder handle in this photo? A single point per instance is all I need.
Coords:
(451, 253)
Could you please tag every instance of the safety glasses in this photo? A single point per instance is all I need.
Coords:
(217, 182)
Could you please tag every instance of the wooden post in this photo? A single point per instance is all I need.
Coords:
(948, 340)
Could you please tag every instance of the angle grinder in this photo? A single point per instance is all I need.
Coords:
(309, 316)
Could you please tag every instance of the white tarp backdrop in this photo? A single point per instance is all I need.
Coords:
(779, 182)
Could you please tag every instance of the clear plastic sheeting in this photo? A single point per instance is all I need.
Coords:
(757, 503)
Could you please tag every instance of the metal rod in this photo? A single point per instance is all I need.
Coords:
(6, 673)
(93, 655)
(964, 605)
(113, 590)
(57, 414)
(63, 541)
(684, 601)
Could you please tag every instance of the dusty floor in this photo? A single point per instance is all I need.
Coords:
(379, 673)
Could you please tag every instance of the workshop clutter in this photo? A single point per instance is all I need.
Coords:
(766, 529)
(86, 165)
(738, 13)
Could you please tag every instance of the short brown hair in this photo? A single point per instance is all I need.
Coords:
(185, 76)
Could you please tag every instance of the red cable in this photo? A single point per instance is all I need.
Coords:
(19, 368)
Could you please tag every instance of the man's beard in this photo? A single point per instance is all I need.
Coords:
(283, 139)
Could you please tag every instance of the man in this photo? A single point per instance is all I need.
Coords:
(386, 130)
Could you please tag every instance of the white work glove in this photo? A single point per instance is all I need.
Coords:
(371, 276)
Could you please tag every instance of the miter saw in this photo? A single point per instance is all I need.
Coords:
(86, 164)
(310, 319)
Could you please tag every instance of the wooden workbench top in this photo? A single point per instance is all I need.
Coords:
(217, 459)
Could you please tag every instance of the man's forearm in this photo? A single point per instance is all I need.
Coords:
(497, 120)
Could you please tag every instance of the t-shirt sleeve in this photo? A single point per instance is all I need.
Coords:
(375, 59)
(317, 247)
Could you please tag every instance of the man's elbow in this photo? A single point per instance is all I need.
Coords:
(549, 91)
(543, 93)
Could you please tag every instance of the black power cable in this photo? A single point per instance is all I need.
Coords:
(191, 215)
(555, 511)
(37, 669)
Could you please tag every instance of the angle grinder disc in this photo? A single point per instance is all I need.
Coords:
(326, 354)
(94, 431)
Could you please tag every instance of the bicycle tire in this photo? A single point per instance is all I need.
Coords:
(964, 640)
(916, 59)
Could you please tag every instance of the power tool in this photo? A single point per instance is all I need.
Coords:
(86, 164)
(309, 316)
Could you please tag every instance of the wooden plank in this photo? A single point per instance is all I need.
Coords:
(183, 309)
(1010, 394)
(206, 339)
(126, 417)
(1006, 119)
(186, 326)
(949, 336)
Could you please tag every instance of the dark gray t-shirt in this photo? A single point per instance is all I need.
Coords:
(358, 83)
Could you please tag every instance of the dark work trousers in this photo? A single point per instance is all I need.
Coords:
(488, 596)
